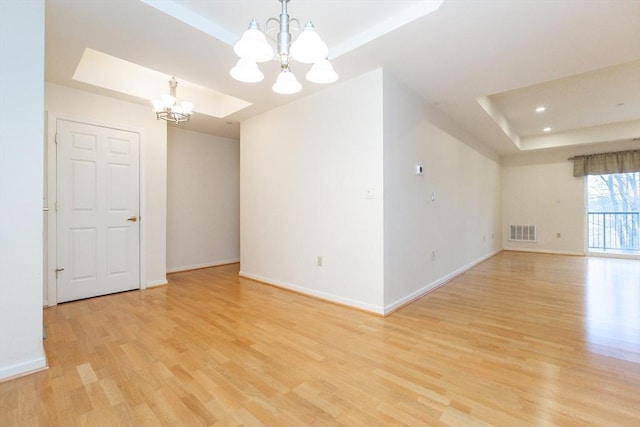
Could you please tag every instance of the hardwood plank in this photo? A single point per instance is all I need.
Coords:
(521, 339)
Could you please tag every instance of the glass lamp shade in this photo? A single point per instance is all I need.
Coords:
(165, 102)
(308, 47)
(322, 72)
(253, 46)
(187, 108)
(246, 71)
(168, 100)
(286, 83)
(158, 105)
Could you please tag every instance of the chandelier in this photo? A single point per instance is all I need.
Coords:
(167, 107)
(308, 48)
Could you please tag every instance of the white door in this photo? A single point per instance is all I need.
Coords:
(98, 235)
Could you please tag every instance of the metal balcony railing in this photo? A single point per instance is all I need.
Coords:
(614, 231)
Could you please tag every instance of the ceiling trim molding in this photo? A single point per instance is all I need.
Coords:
(604, 133)
(181, 13)
(392, 23)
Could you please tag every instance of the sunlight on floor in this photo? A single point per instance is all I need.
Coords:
(612, 312)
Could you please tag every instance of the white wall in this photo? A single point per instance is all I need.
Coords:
(78, 104)
(539, 189)
(549, 197)
(203, 200)
(311, 185)
(426, 242)
(21, 183)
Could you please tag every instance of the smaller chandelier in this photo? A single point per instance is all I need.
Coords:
(308, 48)
(167, 107)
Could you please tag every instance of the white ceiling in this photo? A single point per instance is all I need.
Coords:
(484, 65)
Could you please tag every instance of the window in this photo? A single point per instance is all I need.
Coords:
(613, 213)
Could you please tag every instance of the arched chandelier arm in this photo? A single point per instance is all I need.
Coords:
(272, 31)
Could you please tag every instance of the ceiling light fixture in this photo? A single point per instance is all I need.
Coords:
(308, 48)
(167, 107)
(540, 109)
(547, 129)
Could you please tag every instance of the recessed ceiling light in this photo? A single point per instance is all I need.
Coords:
(547, 129)
(540, 109)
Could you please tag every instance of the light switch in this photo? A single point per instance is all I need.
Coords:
(370, 193)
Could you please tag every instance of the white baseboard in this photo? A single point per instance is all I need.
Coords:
(314, 293)
(205, 265)
(389, 308)
(157, 283)
(368, 307)
(544, 251)
(23, 368)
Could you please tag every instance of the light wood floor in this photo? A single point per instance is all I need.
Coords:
(520, 340)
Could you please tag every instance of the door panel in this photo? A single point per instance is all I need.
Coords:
(117, 260)
(83, 256)
(97, 198)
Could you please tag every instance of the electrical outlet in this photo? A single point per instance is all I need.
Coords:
(433, 255)
(319, 260)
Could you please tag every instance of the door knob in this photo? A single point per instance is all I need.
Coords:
(133, 219)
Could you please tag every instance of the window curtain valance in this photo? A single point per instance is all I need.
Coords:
(605, 163)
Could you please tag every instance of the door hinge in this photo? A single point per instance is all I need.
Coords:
(55, 138)
(55, 206)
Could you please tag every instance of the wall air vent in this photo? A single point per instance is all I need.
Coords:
(522, 233)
